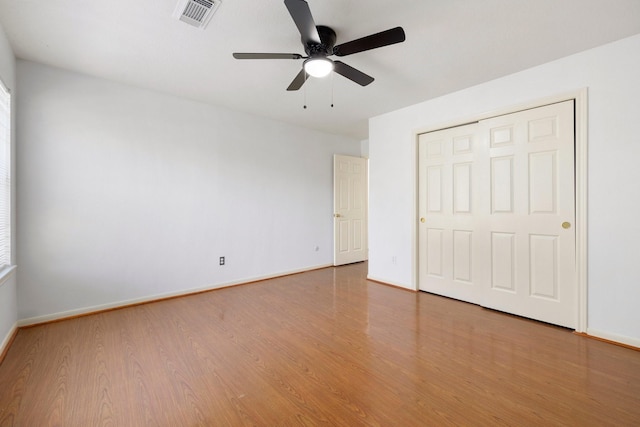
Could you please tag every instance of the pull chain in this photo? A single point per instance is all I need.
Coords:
(332, 74)
(305, 89)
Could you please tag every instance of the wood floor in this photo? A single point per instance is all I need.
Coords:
(320, 348)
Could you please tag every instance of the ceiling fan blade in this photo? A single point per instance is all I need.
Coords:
(267, 56)
(383, 38)
(301, 14)
(298, 81)
(351, 73)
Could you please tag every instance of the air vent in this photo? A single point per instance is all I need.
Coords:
(196, 12)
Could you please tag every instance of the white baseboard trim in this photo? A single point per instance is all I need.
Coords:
(622, 339)
(151, 298)
(7, 339)
(388, 282)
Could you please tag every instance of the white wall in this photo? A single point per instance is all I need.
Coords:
(611, 74)
(8, 299)
(125, 194)
(364, 148)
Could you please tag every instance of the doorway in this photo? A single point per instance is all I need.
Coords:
(349, 209)
(497, 213)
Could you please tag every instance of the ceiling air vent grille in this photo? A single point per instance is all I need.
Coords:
(196, 12)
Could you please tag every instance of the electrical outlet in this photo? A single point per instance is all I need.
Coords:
(221, 260)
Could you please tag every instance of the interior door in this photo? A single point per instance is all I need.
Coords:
(498, 203)
(531, 240)
(350, 209)
(449, 211)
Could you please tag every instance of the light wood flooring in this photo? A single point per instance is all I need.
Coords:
(325, 347)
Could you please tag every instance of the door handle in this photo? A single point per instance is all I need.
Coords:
(422, 220)
(566, 225)
(337, 215)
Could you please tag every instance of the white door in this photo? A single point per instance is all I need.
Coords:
(530, 255)
(349, 209)
(449, 211)
(514, 250)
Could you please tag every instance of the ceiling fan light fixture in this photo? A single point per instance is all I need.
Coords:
(318, 67)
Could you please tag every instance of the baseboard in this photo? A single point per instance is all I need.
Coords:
(54, 317)
(6, 343)
(614, 338)
(389, 283)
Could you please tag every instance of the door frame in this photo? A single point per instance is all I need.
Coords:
(580, 98)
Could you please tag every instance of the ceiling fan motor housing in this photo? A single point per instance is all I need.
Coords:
(325, 47)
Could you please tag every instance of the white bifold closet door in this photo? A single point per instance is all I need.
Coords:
(496, 213)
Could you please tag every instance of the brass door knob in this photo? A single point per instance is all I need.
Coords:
(336, 215)
(422, 220)
(566, 225)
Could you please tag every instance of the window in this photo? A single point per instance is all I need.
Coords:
(5, 177)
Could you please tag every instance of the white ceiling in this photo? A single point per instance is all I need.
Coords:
(451, 44)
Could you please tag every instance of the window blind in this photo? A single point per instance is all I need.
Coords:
(5, 176)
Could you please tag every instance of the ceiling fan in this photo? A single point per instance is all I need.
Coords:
(319, 43)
